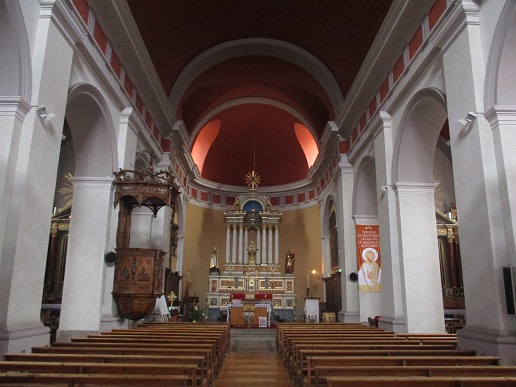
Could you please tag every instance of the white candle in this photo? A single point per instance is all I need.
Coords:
(308, 280)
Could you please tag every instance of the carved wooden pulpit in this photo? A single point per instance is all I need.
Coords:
(139, 272)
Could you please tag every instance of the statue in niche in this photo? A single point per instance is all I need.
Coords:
(289, 262)
(214, 258)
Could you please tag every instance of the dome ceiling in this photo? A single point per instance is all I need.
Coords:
(250, 79)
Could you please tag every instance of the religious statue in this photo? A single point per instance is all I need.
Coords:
(214, 258)
(289, 262)
(453, 212)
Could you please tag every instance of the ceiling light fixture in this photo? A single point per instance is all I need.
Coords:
(252, 178)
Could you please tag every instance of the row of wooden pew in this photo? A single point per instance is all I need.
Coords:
(151, 354)
(353, 354)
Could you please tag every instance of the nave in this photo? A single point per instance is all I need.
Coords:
(297, 354)
(253, 360)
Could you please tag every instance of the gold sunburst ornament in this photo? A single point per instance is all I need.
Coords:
(253, 180)
(67, 191)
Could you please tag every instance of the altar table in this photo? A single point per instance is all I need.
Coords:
(236, 318)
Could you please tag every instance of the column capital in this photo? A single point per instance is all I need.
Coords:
(366, 220)
(501, 115)
(14, 106)
(92, 182)
(410, 188)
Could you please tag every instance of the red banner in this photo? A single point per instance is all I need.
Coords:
(368, 259)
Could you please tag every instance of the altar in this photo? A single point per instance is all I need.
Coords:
(251, 271)
(261, 316)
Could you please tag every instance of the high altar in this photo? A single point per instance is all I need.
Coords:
(251, 273)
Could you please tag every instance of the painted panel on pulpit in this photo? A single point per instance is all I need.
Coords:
(368, 259)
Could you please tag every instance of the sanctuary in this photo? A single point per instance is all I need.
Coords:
(251, 272)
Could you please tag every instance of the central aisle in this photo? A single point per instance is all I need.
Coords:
(253, 361)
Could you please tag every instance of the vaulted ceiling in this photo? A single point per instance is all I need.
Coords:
(256, 82)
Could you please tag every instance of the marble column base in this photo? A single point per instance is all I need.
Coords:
(349, 316)
(489, 342)
(22, 338)
(398, 325)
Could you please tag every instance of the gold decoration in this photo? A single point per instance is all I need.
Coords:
(171, 297)
(67, 191)
(253, 180)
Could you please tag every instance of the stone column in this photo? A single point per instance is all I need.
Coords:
(346, 241)
(246, 243)
(141, 220)
(264, 243)
(393, 316)
(276, 244)
(29, 158)
(228, 241)
(421, 275)
(269, 252)
(240, 243)
(85, 267)
(258, 241)
(234, 249)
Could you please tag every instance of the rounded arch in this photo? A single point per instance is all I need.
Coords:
(500, 79)
(364, 192)
(329, 207)
(15, 57)
(257, 46)
(417, 136)
(330, 233)
(92, 131)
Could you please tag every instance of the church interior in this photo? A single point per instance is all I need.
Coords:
(258, 163)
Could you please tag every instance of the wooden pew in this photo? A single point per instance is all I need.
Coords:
(288, 352)
(40, 379)
(125, 360)
(184, 354)
(374, 361)
(157, 370)
(321, 372)
(286, 345)
(218, 355)
(302, 368)
(439, 381)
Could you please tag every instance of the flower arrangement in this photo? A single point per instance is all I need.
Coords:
(196, 314)
(173, 310)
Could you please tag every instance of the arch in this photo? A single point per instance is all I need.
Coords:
(500, 80)
(257, 46)
(244, 101)
(15, 57)
(330, 234)
(364, 192)
(92, 131)
(417, 136)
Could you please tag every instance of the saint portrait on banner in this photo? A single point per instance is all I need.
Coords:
(370, 273)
